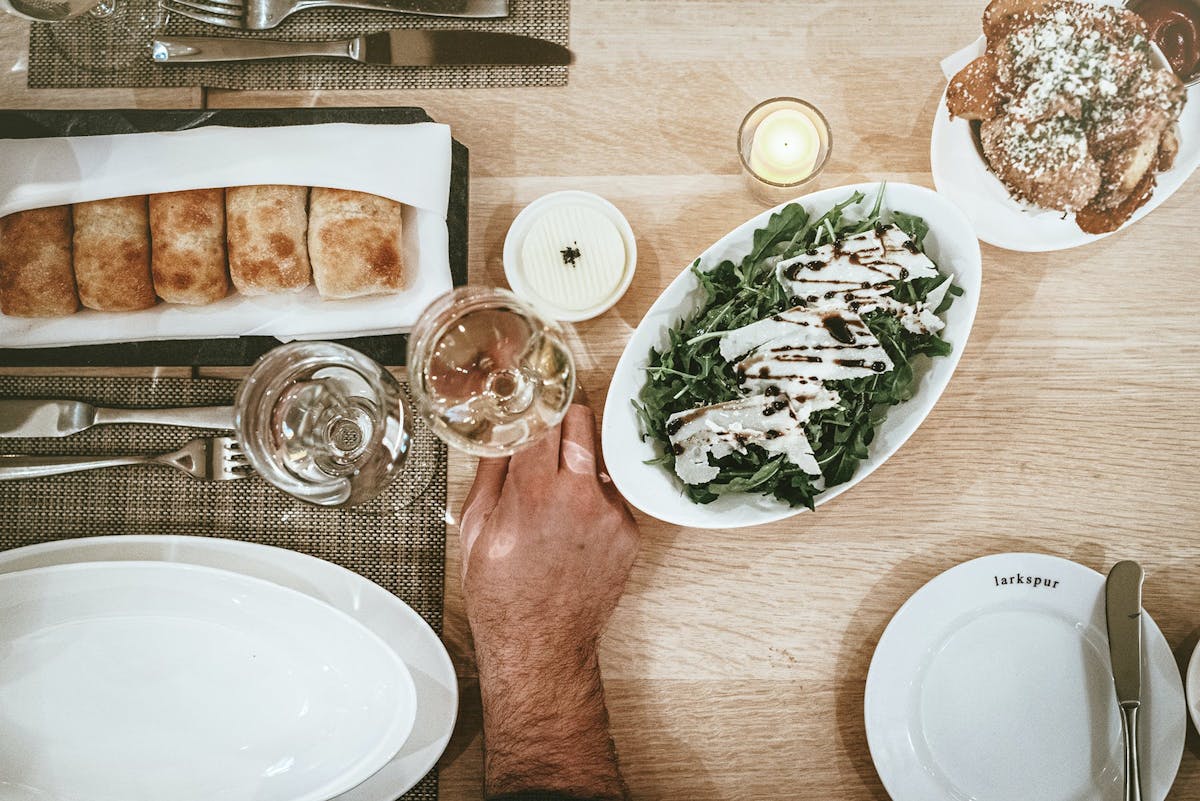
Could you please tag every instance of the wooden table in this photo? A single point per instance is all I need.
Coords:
(735, 665)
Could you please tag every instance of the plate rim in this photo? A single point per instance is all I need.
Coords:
(1191, 687)
(872, 690)
(744, 515)
(407, 767)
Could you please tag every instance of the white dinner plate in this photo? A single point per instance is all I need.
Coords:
(961, 174)
(993, 683)
(152, 680)
(379, 610)
(655, 490)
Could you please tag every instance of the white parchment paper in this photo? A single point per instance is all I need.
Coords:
(407, 163)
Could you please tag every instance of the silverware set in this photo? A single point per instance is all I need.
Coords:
(207, 458)
(413, 48)
(261, 15)
(408, 48)
(1123, 614)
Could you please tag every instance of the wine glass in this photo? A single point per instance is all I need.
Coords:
(487, 372)
(56, 10)
(324, 423)
(95, 35)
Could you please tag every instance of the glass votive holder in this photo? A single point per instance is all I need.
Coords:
(783, 144)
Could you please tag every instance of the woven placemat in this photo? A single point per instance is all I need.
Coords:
(393, 540)
(114, 51)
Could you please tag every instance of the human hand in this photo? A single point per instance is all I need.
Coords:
(548, 544)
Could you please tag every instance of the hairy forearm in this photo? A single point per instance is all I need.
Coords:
(545, 724)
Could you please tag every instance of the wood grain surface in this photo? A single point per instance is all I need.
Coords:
(736, 663)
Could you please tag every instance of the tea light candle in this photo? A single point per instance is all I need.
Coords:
(784, 142)
(785, 147)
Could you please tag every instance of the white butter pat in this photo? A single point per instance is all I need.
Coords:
(573, 257)
(775, 424)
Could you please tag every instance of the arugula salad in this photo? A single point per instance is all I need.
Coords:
(776, 385)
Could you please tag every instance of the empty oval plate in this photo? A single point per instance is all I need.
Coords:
(152, 680)
(655, 490)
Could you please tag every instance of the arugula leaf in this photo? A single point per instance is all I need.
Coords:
(912, 225)
(690, 372)
(785, 220)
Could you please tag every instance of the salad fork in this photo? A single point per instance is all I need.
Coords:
(209, 458)
(261, 15)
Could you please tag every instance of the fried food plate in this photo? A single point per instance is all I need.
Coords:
(963, 177)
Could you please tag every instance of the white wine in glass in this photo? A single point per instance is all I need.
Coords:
(488, 373)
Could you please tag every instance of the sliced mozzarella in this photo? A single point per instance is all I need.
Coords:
(773, 423)
(920, 318)
(856, 268)
(798, 349)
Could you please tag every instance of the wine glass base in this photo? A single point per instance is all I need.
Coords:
(426, 461)
(111, 40)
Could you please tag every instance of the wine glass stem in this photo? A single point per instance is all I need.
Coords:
(104, 8)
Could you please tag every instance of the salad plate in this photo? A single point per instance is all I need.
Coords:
(993, 682)
(653, 488)
(397, 624)
(961, 174)
(151, 680)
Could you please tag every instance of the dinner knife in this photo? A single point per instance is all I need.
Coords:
(1123, 613)
(396, 48)
(61, 418)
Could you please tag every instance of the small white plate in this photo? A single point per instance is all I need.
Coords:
(395, 622)
(1193, 687)
(654, 489)
(515, 239)
(151, 680)
(961, 174)
(993, 683)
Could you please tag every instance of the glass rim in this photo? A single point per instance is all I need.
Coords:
(818, 167)
(430, 324)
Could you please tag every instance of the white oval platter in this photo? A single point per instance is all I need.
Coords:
(961, 174)
(405, 631)
(152, 680)
(657, 492)
(993, 682)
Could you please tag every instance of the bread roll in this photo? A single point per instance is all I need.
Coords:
(355, 241)
(267, 226)
(35, 264)
(187, 246)
(112, 254)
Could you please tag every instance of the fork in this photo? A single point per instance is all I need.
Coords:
(209, 458)
(260, 15)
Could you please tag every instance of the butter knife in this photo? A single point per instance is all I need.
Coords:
(1123, 614)
(396, 48)
(61, 418)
